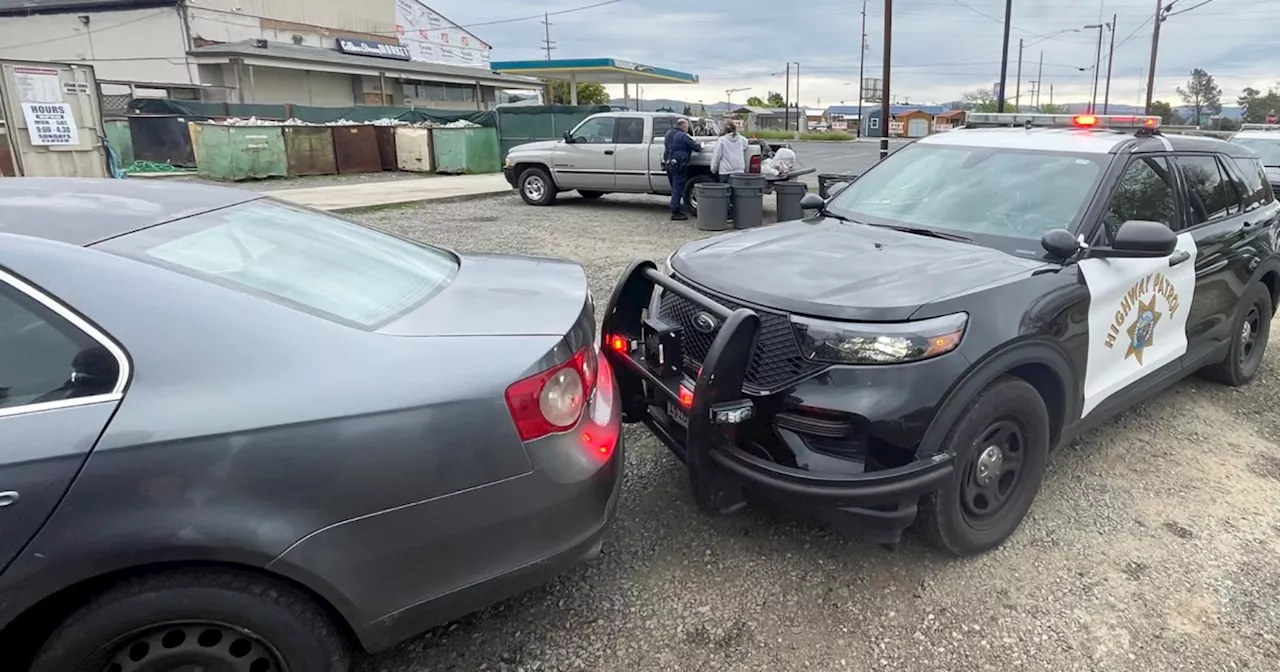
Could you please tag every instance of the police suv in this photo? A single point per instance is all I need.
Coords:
(913, 350)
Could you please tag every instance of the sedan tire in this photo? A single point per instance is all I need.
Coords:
(222, 620)
(536, 187)
(1001, 449)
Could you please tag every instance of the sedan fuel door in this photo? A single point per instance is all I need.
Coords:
(585, 160)
(61, 380)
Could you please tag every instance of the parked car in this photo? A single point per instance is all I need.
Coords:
(242, 434)
(1265, 140)
(616, 152)
(913, 351)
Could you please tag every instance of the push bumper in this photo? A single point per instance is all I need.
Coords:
(878, 504)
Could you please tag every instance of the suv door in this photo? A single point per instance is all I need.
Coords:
(1215, 216)
(587, 162)
(60, 381)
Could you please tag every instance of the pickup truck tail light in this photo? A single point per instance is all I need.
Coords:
(552, 401)
(754, 166)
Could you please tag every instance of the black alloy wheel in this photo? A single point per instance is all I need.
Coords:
(1250, 334)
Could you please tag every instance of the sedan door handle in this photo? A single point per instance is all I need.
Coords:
(1179, 257)
(608, 152)
(7, 498)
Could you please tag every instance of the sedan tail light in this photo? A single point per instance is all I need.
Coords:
(552, 401)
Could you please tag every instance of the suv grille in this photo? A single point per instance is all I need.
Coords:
(776, 361)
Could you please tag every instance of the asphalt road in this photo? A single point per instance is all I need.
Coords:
(840, 157)
(1154, 544)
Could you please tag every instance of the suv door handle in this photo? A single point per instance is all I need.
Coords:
(608, 152)
(1179, 257)
(7, 498)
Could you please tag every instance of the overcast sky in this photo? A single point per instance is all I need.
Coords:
(941, 48)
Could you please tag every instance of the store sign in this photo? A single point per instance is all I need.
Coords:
(355, 47)
(51, 124)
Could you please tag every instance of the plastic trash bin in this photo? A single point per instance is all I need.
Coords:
(713, 205)
(748, 200)
(789, 195)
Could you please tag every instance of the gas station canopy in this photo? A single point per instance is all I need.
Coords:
(600, 70)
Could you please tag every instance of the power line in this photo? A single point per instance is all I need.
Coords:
(542, 15)
(1184, 11)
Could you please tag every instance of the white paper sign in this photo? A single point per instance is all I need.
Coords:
(51, 124)
(431, 38)
(37, 85)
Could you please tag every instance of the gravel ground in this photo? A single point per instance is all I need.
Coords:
(1154, 544)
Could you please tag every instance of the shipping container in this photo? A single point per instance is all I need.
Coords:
(241, 152)
(7, 169)
(121, 140)
(309, 150)
(356, 149)
(54, 119)
(466, 150)
(413, 150)
(386, 136)
(162, 139)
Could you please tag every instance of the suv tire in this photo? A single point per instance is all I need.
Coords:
(1001, 449)
(1250, 332)
(199, 618)
(536, 187)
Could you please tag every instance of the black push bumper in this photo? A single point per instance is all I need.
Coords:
(647, 358)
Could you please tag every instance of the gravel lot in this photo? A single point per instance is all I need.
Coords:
(1154, 544)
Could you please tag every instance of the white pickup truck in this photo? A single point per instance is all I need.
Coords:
(617, 152)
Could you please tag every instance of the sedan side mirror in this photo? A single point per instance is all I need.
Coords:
(568, 137)
(1138, 239)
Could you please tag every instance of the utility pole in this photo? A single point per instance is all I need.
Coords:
(1155, 45)
(1097, 63)
(1017, 85)
(786, 101)
(862, 57)
(1039, 78)
(547, 44)
(884, 95)
(1004, 53)
(1051, 95)
(1142, 73)
(799, 109)
(1111, 52)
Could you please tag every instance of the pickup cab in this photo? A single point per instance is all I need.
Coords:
(616, 152)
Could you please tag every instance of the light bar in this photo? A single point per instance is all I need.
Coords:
(1116, 121)
(1260, 127)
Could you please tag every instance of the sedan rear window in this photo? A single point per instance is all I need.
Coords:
(306, 259)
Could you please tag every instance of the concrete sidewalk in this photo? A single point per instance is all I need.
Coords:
(373, 194)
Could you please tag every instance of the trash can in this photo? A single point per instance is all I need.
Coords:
(713, 205)
(826, 181)
(789, 195)
(748, 200)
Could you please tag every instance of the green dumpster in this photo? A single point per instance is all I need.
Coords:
(236, 153)
(466, 150)
(121, 140)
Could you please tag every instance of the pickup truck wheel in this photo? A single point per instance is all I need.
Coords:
(590, 195)
(690, 194)
(1001, 449)
(536, 187)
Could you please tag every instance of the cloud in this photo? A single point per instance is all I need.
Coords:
(941, 48)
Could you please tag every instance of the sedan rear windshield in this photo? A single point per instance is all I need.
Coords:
(990, 193)
(1267, 148)
(306, 259)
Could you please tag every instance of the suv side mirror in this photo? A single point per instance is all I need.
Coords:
(812, 202)
(1138, 239)
(568, 137)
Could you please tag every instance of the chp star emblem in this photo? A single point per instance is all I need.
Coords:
(1142, 331)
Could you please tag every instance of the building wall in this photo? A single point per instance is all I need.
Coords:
(275, 86)
(315, 23)
(140, 45)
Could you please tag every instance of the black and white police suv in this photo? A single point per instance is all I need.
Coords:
(913, 350)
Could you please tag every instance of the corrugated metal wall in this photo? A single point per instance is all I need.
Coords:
(367, 16)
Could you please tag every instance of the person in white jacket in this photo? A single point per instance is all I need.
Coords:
(729, 156)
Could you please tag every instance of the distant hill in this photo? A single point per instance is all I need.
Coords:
(653, 105)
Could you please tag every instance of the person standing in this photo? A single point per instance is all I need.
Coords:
(729, 156)
(677, 149)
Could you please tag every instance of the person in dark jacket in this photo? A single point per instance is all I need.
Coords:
(678, 148)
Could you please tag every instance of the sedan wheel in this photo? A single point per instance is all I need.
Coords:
(194, 647)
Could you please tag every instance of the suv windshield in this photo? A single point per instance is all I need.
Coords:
(978, 192)
(1267, 148)
(306, 259)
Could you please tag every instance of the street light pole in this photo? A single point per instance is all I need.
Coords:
(1097, 60)
(786, 98)
(799, 109)
(884, 94)
(1004, 53)
(862, 57)
(1111, 53)
(1017, 85)
(1039, 78)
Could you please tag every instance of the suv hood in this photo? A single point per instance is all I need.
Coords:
(840, 270)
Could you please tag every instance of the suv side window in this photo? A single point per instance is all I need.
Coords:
(1211, 196)
(661, 125)
(1255, 183)
(630, 131)
(1145, 192)
(45, 357)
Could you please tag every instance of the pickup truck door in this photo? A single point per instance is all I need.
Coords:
(631, 158)
(658, 182)
(588, 162)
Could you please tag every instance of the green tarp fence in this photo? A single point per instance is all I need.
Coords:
(198, 111)
(518, 125)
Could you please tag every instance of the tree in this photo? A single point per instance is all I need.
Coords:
(980, 100)
(702, 110)
(775, 100)
(1166, 112)
(1257, 105)
(754, 101)
(1202, 94)
(688, 111)
(1228, 124)
(589, 93)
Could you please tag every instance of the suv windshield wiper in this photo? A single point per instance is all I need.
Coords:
(921, 231)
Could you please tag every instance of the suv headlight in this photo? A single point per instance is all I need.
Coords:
(879, 343)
